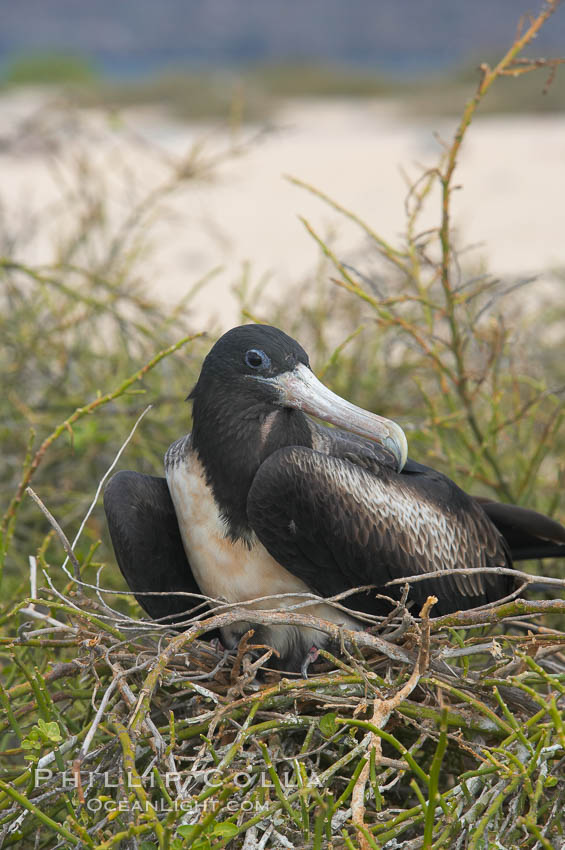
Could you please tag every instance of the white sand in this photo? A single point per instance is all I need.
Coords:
(512, 173)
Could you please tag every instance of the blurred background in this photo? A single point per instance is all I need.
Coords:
(191, 113)
(180, 167)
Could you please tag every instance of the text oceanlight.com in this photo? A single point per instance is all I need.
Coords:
(97, 804)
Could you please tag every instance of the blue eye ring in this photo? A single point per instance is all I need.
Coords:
(257, 359)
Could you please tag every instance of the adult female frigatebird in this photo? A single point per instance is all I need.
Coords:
(260, 499)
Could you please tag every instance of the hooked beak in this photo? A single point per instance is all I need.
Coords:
(302, 390)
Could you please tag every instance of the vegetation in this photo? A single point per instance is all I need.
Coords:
(422, 732)
(49, 68)
(255, 93)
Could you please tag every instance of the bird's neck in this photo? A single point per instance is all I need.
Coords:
(231, 447)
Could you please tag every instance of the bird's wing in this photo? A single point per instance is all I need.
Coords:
(528, 533)
(147, 542)
(358, 450)
(337, 525)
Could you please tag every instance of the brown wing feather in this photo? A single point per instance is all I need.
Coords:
(337, 526)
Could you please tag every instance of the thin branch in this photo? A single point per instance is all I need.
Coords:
(58, 530)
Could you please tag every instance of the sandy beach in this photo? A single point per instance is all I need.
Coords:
(509, 207)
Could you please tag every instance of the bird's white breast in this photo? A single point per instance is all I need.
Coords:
(224, 569)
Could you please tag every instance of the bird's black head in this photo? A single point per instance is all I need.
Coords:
(244, 353)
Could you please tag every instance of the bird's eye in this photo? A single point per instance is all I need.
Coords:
(257, 359)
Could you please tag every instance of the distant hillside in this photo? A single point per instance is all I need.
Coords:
(137, 36)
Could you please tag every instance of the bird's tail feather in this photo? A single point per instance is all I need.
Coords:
(529, 534)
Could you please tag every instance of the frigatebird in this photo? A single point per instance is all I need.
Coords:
(260, 499)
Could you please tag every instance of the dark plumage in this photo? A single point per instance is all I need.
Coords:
(265, 500)
(149, 549)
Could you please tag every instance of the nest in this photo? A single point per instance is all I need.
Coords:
(417, 732)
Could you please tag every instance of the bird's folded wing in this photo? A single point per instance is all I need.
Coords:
(147, 542)
(337, 526)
